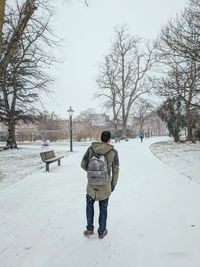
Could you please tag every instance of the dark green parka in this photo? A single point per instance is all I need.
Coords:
(101, 192)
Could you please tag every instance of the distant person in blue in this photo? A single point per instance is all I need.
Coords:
(141, 135)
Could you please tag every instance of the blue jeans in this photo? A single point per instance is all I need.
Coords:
(103, 204)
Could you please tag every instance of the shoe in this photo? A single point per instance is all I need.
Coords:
(104, 233)
(88, 232)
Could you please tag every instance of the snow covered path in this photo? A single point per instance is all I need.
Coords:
(153, 218)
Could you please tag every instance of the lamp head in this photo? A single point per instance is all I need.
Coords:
(70, 111)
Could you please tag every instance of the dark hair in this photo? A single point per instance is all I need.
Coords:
(105, 136)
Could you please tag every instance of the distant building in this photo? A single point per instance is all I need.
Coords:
(23, 131)
(90, 126)
(29, 127)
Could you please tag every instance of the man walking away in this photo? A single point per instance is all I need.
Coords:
(141, 135)
(102, 165)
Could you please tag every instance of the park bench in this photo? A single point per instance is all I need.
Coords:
(49, 157)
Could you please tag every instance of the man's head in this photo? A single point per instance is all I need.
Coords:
(105, 136)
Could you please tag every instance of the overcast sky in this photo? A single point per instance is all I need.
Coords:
(87, 34)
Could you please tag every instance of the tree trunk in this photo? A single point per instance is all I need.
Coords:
(124, 131)
(114, 114)
(176, 135)
(189, 126)
(123, 98)
(124, 127)
(11, 142)
(2, 12)
(124, 122)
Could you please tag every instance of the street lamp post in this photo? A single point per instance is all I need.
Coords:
(70, 111)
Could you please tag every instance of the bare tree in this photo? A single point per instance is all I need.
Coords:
(2, 12)
(85, 115)
(25, 42)
(141, 112)
(183, 32)
(181, 83)
(107, 87)
(129, 64)
(48, 121)
(180, 62)
(27, 11)
(25, 78)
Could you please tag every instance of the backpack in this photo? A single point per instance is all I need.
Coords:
(97, 172)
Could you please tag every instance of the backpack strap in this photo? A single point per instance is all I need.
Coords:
(94, 153)
(109, 171)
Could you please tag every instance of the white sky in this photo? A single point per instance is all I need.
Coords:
(87, 34)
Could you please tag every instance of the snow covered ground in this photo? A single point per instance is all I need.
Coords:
(20, 163)
(153, 218)
(185, 157)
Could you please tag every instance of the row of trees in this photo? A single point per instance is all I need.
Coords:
(169, 67)
(126, 76)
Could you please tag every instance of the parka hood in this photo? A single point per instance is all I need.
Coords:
(101, 147)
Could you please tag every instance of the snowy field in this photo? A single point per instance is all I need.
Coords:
(185, 157)
(20, 163)
(153, 216)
